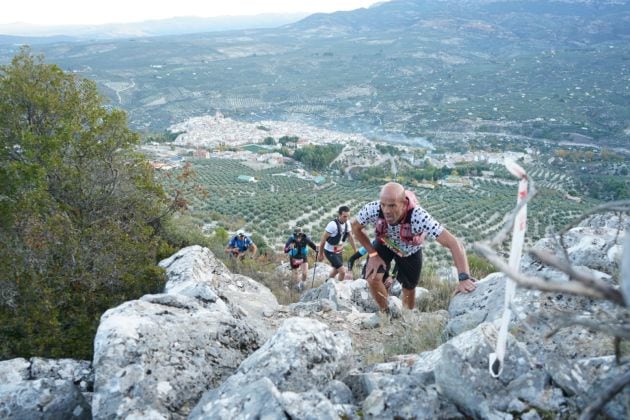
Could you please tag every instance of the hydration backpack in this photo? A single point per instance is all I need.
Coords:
(300, 249)
(406, 233)
(339, 237)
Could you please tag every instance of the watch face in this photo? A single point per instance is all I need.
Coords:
(463, 276)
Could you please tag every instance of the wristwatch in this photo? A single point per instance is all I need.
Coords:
(463, 276)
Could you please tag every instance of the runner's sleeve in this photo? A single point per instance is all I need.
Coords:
(286, 246)
(422, 221)
(331, 228)
(368, 213)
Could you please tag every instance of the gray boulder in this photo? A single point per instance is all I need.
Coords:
(288, 374)
(79, 372)
(467, 311)
(462, 376)
(194, 271)
(160, 353)
(583, 379)
(347, 296)
(400, 396)
(43, 399)
(14, 370)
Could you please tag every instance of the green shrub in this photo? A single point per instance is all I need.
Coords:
(78, 216)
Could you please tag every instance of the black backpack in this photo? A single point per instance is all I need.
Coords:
(339, 237)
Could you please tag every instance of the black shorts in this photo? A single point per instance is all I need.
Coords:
(296, 262)
(409, 268)
(336, 260)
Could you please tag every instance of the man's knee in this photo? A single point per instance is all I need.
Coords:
(378, 278)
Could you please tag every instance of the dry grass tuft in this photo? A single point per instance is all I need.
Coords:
(440, 292)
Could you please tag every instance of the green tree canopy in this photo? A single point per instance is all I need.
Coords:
(318, 157)
(79, 211)
(269, 141)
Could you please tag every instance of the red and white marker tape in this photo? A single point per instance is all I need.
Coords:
(516, 249)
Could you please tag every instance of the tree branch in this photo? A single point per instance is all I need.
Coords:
(606, 395)
(615, 328)
(620, 206)
(583, 277)
(530, 282)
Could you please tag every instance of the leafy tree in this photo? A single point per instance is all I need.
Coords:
(162, 137)
(388, 149)
(318, 157)
(288, 139)
(80, 212)
(373, 172)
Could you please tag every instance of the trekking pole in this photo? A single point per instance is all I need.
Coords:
(314, 268)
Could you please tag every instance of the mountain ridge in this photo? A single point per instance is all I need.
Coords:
(179, 25)
(386, 69)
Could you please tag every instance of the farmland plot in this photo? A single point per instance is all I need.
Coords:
(273, 205)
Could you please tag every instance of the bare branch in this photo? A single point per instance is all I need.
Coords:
(608, 394)
(619, 206)
(583, 277)
(615, 328)
(530, 282)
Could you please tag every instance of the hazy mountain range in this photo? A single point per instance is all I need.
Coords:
(541, 69)
(37, 34)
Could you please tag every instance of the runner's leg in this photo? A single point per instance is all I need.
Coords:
(409, 269)
(409, 298)
(375, 281)
(304, 271)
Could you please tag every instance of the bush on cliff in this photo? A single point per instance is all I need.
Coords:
(80, 212)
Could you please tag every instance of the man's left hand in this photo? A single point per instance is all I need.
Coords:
(466, 286)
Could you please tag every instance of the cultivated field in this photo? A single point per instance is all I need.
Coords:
(275, 203)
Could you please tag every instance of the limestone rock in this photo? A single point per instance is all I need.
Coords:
(160, 353)
(43, 399)
(284, 375)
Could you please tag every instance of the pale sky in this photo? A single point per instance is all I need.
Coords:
(86, 12)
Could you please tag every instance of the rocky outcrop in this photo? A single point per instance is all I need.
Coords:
(288, 376)
(561, 355)
(217, 345)
(45, 389)
(194, 271)
(157, 355)
(43, 399)
(350, 295)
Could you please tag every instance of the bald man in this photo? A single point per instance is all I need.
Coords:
(400, 228)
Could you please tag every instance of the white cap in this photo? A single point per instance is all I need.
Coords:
(240, 232)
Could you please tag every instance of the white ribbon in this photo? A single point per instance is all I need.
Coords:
(518, 237)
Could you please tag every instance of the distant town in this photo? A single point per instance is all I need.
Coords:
(220, 137)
